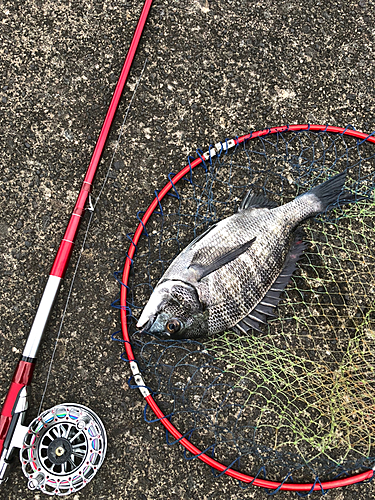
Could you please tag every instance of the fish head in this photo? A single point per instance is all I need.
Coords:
(174, 312)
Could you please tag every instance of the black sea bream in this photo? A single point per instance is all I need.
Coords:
(231, 276)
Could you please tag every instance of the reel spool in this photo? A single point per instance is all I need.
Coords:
(63, 449)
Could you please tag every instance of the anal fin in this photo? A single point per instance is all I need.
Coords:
(266, 307)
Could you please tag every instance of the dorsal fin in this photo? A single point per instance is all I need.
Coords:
(254, 200)
(266, 306)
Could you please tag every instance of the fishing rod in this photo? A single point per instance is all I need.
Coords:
(64, 468)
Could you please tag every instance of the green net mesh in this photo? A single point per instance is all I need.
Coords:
(297, 400)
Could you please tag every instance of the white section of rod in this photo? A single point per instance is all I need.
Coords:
(41, 317)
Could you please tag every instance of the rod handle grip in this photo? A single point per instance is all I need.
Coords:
(22, 377)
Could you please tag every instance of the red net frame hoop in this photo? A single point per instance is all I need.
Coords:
(245, 478)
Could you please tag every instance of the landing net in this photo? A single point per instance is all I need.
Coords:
(295, 403)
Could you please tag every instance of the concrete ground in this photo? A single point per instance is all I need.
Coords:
(214, 70)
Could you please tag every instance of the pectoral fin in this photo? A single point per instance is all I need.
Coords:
(203, 271)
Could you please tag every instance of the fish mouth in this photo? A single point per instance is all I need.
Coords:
(145, 322)
(147, 329)
(142, 324)
(144, 327)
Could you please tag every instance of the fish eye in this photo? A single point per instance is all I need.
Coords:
(173, 326)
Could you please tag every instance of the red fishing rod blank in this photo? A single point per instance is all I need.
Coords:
(15, 405)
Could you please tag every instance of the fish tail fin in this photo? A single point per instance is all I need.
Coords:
(329, 191)
(332, 192)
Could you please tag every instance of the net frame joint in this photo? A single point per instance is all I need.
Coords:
(139, 380)
(218, 148)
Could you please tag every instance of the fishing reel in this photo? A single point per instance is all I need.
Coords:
(63, 449)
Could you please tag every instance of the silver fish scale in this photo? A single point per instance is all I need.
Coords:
(235, 289)
(231, 292)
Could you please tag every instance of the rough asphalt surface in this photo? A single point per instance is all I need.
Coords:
(214, 70)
